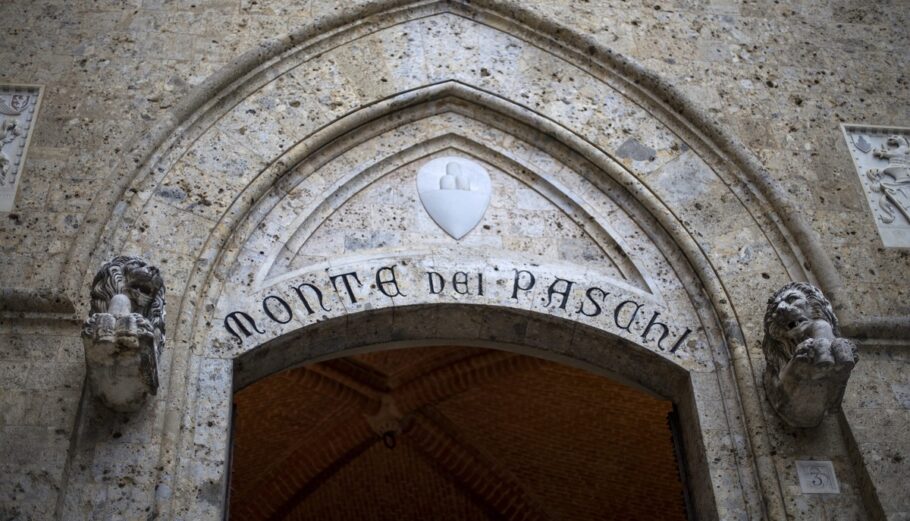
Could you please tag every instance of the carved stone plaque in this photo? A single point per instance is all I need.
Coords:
(817, 477)
(882, 159)
(455, 192)
(18, 108)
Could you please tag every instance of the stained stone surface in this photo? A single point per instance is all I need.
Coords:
(302, 169)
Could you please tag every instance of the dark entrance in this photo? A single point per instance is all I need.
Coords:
(451, 433)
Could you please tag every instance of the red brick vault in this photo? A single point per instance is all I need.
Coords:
(450, 433)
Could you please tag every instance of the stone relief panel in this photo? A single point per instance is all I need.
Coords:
(882, 159)
(18, 107)
(455, 192)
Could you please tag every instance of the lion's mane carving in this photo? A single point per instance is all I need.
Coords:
(808, 363)
(142, 283)
(792, 311)
(125, 333)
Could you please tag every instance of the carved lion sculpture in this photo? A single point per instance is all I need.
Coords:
(124, 333)
(808, 363)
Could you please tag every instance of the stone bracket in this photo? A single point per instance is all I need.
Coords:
(124, 334)
(808, 362)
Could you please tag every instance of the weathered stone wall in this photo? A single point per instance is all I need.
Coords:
(778, 77)
(41, 376)
(877, 408)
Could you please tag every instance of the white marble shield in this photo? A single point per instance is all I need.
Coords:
(455, 192)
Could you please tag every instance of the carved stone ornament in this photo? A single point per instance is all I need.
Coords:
(808, 363)
(124, 334)
(882, 159)
(455, 192)
(18, 106)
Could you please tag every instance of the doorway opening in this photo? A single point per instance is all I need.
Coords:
(452, 433)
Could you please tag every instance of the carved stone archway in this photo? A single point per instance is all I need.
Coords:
(503, 332)
(263, 166)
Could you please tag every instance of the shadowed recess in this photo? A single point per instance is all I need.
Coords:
(450, 433)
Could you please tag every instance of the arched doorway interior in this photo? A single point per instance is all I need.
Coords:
(451, 433)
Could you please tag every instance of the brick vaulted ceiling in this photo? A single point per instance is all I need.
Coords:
(450, 433)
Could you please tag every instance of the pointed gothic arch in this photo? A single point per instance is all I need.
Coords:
(249, 141)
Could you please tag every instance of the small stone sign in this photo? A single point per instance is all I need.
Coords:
(817, 477)
(881, 156)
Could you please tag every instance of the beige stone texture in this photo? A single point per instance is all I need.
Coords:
(684, 153)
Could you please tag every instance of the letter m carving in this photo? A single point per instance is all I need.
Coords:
(236, 316)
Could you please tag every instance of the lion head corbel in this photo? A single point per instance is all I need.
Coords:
(808, 363)
(124, 333)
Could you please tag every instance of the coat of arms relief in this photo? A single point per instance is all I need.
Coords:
(456, 192)
(18, 106)
(882, 159)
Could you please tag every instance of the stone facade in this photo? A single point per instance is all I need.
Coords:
(657, 170)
